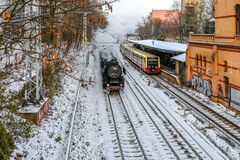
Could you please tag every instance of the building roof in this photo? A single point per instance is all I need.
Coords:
(165, 15)
(180, 57)
(163, 46)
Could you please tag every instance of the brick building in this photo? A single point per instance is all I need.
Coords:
(213, 61)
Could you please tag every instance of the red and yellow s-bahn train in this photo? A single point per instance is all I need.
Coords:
(149, 63)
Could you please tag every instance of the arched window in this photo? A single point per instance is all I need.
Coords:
(225, 66)
(201, 61)
(197, 60)
(205, 62)
(238, 19)
(226, 81)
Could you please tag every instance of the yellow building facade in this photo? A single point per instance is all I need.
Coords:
(213, 61)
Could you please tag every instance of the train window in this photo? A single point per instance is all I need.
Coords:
(153, 61)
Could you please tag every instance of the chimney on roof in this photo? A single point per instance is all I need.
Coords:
(152, 42)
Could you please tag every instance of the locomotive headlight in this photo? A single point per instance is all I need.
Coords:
(108, 85)
(121, 85)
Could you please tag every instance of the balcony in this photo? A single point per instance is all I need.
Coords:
(237, 39)
(203, 37)
(210, 38)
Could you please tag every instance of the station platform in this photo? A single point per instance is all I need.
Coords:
(171, 77)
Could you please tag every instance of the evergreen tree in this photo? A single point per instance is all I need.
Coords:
(6, 143)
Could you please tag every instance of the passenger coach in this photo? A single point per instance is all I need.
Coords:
(149, 63)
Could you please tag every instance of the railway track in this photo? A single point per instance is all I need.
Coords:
(128, 145)
(76, 108)
(180, 141)
(67, 156)
(229, 128)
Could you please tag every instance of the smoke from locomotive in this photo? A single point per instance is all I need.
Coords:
(112, 73)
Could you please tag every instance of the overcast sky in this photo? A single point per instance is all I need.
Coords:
(127, 13)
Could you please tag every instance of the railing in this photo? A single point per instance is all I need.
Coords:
(211, 38)
(237, 39)
(203, 37)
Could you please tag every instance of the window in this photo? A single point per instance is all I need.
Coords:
(205, 62)
(197, 60)
(201, 61)
(226, 81)
(238, 20)
(225, 66)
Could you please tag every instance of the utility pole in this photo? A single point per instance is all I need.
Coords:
(33, 64)
(85, 26)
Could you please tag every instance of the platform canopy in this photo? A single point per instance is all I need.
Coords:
(180, 57)
(163, 46)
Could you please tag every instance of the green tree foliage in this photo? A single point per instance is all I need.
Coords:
(6, 143)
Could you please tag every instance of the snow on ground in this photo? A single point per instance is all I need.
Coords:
(48, 140)
(13, 82)
(211, 134)
(168, 105)
(91, 136)
(152, 142)
(43, 142)
(215, 106)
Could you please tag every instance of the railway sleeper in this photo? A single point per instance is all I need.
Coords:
(191, 156)
(116, 147)
(131, 147)
(134, 151)
(123, 135)
(129, 140)
(127, 150)
(140, 156)
(117, 151)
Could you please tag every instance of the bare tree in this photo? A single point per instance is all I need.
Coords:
(58, 23)
(193, 17)
(43, 31)
(144, 28)
(177, 5)
(158, 28)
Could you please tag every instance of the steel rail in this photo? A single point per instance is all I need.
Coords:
(208, 115)
(133, 128)
(183, 138)
(115, 127)
(72, 123)
(161, 104)
(226, 131)
(153, 122)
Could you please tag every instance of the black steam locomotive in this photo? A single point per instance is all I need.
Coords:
(112, 73)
